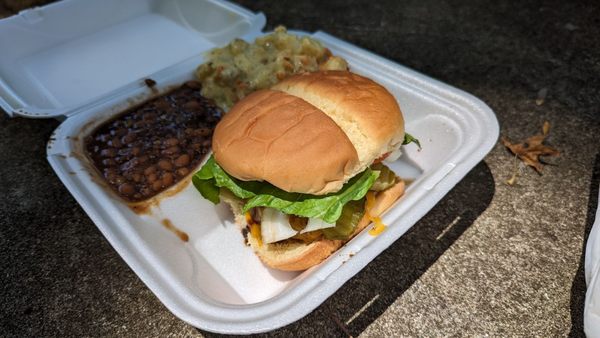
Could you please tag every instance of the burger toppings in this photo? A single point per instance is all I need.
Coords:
(263, 194)
(408, 138)
(386, 178)
(255, 230)
(344, 227)
(298, 223)
(394, 155)
(378, 226)
(303, 161)
(333, 216)
(275, 226)
(316, 224)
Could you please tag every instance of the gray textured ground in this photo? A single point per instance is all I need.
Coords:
(510, 265)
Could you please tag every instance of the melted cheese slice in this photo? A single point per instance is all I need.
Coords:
(316, 224)
(378, 226)
(275, 226)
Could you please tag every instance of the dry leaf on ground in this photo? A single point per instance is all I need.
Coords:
(531, 149)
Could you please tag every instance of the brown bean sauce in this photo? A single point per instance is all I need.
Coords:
(152, 146)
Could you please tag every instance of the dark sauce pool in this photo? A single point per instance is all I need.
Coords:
(152, 146)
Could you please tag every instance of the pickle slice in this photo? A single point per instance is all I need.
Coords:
(297, 223)
(352, 213)
(386, 179)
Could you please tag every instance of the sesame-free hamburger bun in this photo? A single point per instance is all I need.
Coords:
(310, 133)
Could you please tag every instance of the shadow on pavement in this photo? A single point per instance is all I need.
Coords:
(578, 288)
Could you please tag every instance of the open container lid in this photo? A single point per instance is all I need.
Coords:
(55, 59)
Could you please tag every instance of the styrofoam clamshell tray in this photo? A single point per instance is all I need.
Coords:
(85, 61)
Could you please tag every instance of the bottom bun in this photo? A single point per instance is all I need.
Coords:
(290, 255)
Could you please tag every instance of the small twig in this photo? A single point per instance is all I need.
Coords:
(513, 179)
(339, 323)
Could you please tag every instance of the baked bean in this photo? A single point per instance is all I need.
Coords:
(171, 142)
(146, 191)
(203, 132)
(157, 185)
(115, 142)
(192, 105)
(130, 137)
(182, 160)
(126, 189)
(118, 132)
(143, 159)
(167, 179)
(165, 164)
(137, 177)
(150, 170)
(171, 150)
(151, 177)
(182, 171)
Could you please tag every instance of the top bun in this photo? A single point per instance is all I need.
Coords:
(276, 137)
(364, 109)
(310, 133)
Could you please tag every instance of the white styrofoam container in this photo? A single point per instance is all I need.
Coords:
(78, 61)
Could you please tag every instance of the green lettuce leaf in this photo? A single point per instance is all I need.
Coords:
(408, 138)
(207, 189)
(262, 194)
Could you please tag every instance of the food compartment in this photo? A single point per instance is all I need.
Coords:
(154, 145)
(196, 242)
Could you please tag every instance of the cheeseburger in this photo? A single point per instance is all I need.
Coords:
(300, 164)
